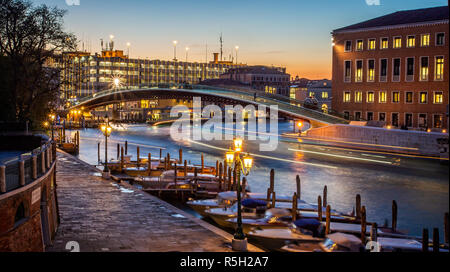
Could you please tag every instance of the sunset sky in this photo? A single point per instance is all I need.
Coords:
(290, 33)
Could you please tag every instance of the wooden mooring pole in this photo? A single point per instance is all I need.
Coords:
(394, 215)
(299, 188)
(325, 191)
(363, 225)
(319, 208)
(425, 240)
(358, 206)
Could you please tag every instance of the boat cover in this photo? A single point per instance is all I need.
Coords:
(346, 240)
(253, 203)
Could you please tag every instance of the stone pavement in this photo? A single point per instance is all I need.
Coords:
(103, 216)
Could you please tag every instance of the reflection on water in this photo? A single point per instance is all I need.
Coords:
(420, 187)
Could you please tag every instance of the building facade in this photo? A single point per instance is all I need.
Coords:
(394, 69)
(273, 80)
(84, 74)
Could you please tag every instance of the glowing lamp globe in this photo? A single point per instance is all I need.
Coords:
(229, 157)
(248, 162)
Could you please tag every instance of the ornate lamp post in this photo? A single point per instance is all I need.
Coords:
(240, 165)
(106, 129)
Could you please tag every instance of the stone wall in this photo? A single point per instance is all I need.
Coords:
(27, 234)
(406, 141)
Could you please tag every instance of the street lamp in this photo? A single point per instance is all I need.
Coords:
(106, 129)
(175, 50)
(240, 165)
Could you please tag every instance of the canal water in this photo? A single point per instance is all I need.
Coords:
(420, 186)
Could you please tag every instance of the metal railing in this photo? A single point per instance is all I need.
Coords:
(26, 168)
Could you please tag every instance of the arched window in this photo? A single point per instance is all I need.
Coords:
(20, 213)
(325, 108)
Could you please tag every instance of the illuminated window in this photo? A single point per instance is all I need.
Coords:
(425, 40)
(439, 68)
(440, 39)
(424, 68)
(383, 97)
(347, 97)
(411, 41)
(371, 71)
(384, 43)
(397, 42)
(358, 97)
(359, 71)
(409, 97)
(372, 44)
(423, 97)
(359, 45)
(438, 98)
(437, 121)
(370, 97)
(324, 95)
(395, 97)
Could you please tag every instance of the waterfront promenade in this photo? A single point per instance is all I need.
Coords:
(105, 216)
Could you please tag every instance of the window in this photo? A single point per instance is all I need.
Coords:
(424, 68)
(396, 70)
(394, 120)
(411, 41)
(348, 46)
(425, 40)
(408, 120)
(397, 42)
(438, 97)
(382, 97)
(383, 70)
(324, 95)
(439, 68)
(437, 121)
(358, 96)
(347, 115)
(409, 97)
(20, 214)
(409, 69)
(371, 70)
(440, 38)
(359, 71)
(423, 97)
(357, 115)
(382, 116)
(369, 116)
(384, 43)
(359, 45)
(348, 71)
(372, 44)
(370, 97)
(395, 97)
(347, 97)
(422, 121)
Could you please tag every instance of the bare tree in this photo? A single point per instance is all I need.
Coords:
(30, 38)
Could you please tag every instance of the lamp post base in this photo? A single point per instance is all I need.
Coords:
(239, 245)
(106, 175)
